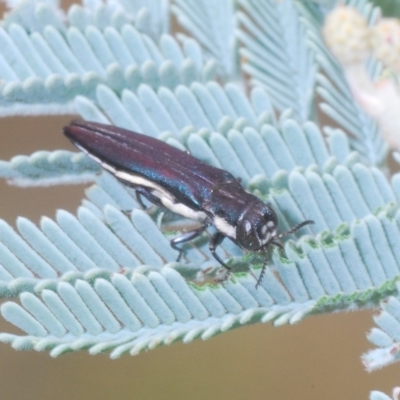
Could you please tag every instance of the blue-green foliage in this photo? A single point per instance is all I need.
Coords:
(375, 395)
(285, 67)
(105, 279)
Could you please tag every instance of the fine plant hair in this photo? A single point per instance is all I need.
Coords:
(238, 92)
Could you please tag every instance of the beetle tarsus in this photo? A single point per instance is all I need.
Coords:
(127, 213)
(222, 275)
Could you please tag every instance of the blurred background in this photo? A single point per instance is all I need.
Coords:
(318, 358)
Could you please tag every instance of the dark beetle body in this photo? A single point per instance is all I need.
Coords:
(180, 182)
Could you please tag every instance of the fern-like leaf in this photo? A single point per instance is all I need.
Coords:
(105, 278)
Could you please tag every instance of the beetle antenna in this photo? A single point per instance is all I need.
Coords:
(295, 228)
(264, 267)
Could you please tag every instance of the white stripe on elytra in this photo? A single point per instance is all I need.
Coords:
(87, 153)
(181, 209)
(106, 166)
(140, 181)
(165, 197)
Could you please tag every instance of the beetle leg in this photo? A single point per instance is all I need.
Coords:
(215, 241)
(186, 237)
(141, 191)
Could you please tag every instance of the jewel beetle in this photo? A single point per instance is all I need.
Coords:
(176, 180)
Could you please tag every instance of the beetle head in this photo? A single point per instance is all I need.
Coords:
(256, 227)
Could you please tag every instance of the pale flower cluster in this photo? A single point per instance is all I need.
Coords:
(352, 41)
